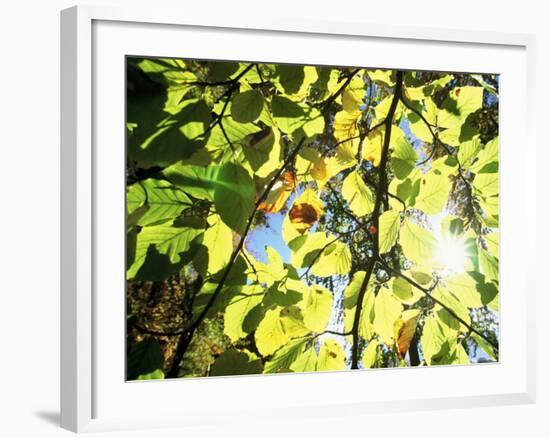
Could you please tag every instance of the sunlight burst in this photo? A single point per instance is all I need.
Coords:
(451, 253)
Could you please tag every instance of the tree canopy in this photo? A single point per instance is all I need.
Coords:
(291, 218)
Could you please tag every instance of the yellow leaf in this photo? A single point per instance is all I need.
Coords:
(404, 291)
(270, 335)
(346, 128)
(389, 222)
(350, 302)
(419, 245)
(331, 357)
(358, 195)
(316, 308)
(335, 259)
(353, 95)
(372, 149)
(370, 354)
(434, 193)
(387, 309)
(381, 77)
(292, 321)
(310, 166)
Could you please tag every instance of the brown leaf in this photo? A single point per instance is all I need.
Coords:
(279, 194)
(406, 331)
(307, 210)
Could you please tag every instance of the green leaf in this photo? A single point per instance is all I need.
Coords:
(161, 139)
(486, 158)
(155, 375)
(403, 290)
(171, 240)
(485, 346)
(220, 144)
(235, 362)
(226, 294)
(387, 310)
(270, 335)
(272, 271)
(358, 195)
(171, 73)
(492, 241)
(216, 248)
(286, 293)
(291, 77)
(295, 80)
(310, 166)
(381, 77)
(419, 245)
(331, 357)
(164, 201)
(234, 196)
(305, 249)
(292, 321)
(247, 106)
(489, 265)
(316, 308)
(404, 157)
(459, 104)
(453, 303)
(145, 360)
(239, 308)
(434, 193)
(220, 70)
(421, 92)
(389, 224)
(350, 302)
(405, 190)
(306, 361)
(370, 354)
(418, 126)
(335, 260)
(436, 341)
(486, 184)
(461, 355)
(196, 181)
(283, 359)
(468, 151)
(292, 117)
(264, 152)
(464, 287)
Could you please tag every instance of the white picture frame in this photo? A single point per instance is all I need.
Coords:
(90, 391)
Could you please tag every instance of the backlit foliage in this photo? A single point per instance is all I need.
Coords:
(287, 218)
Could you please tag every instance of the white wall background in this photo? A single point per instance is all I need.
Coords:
(29, 215)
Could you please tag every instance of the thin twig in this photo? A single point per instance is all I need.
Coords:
(427, 292)
(325, 104)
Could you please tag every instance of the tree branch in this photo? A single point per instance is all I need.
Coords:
(427, 292)
(325, 104)
(388, 122)
(228, 93)
(187, 335)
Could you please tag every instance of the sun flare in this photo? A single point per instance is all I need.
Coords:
(451, 253)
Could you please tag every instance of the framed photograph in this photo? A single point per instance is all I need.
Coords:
(272, 217)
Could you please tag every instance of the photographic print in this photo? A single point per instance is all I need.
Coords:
(297, 218)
